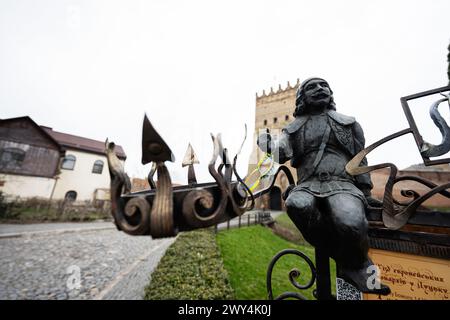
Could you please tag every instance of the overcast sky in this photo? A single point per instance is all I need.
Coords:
(93, 68)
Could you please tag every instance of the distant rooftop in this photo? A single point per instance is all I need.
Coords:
(421, 167)
(70, 141)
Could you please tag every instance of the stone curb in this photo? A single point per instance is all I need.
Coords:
(47, 232)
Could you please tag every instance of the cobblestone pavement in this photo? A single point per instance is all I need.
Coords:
(110, 264)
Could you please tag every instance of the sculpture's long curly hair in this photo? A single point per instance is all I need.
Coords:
(300, 106)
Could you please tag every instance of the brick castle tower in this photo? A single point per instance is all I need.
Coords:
(274, 111)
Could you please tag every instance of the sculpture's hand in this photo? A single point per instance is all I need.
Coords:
(265, 142)
(288, 190)
(373, 202)
(370, 200)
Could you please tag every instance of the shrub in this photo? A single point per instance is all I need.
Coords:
(40, 210)
(3, 205)
(191, 269)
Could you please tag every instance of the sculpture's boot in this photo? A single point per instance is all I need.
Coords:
(363, 279)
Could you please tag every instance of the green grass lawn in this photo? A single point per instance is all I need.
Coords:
(286, 223)
(284, 220)
(246, 255)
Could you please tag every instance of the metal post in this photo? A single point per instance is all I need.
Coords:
(53, 190)
(248, 220)
(239, 221)
(323, 283)
(228, 224)
(215, 228)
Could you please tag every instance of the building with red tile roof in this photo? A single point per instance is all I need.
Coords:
(38, 162)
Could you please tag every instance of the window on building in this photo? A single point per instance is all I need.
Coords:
(286, 118)
(71, 195)
(265, 122)
(275, 120)
(68, 162)
(98, 167)
(11, 158)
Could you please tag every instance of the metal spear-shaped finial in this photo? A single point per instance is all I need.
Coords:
(189, 159)
(154, 149)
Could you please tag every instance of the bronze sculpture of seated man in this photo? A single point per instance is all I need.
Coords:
(327, 205)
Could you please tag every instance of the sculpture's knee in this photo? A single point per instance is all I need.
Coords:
(352, 227)
(301, 210)
(299, 203)
(348, 216)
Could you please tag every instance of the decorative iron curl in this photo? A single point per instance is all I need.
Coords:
(243, 186)
(237, 196)
(393, 218)
(237, 193)
(161, 217)
(407, 193)
(138, 209)
(272, 180)
(151, 174)
(133, 217)
(197, 204)
(293, 275)
(200, 207)
(431, 150)
(241, 190)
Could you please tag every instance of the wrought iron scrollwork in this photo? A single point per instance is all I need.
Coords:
(273, 179)
(293, 275)
(133, 217)
(198, 203)
(161, 218)
(428, 149)
(395, 214)
(151, 174)
(163, 210)
(412, 193)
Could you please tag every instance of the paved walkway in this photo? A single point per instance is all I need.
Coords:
(17, 230)
(245, 219)
(79, 260)
(75, 261)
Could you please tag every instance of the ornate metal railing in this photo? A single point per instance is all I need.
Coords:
(164, 210)
(393, 214)
(293, 275)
